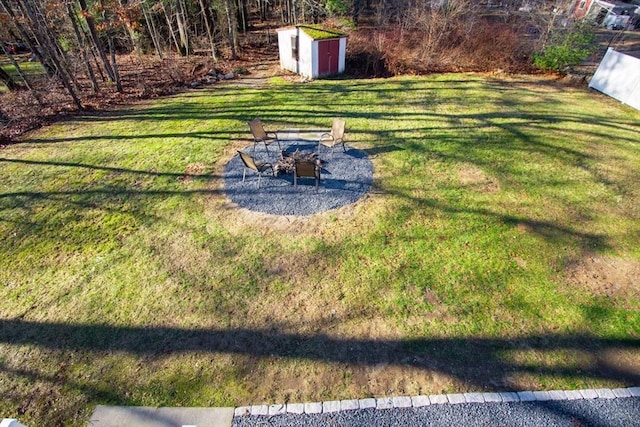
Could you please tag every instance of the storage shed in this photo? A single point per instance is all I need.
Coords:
(312, 52)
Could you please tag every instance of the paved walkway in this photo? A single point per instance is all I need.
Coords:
(574, 408)
(140, 416)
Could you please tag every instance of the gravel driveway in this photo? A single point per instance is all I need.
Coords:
(620, 412)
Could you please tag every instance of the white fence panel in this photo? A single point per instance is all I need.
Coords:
(618, 76)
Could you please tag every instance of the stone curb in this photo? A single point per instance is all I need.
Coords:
(383, 403)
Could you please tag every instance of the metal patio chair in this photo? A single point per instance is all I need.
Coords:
(306, 169)
(255, 165)
(335, 137)
(261, 135)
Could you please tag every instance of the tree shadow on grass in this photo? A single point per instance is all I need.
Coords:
(471, 360)
(549, 230)
(106, 168)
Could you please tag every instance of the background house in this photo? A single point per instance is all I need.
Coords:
(608, 13)
(312, 52)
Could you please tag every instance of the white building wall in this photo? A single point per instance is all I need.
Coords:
(343, 54)
(618, 76)
(307, 57)
(315, 68)
(304, 64)
(287, 62)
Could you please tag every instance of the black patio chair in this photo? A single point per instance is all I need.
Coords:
(306, 169)
(255, 165)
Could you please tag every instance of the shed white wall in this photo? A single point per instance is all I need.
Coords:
(307, 56)
(315, 64)
(304, 64)
(618, 76)
(343, 55)
(287, 62)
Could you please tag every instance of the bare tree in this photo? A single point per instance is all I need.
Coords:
(48, 45)
(181, 21)
(111, 23)
(208, 26)
(81, 46)
(232, 33)
(155, 36)
(167, 11)
(91, 24)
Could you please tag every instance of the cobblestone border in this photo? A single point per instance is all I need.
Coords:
(434, 399)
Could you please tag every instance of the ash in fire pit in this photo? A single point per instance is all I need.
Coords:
(286, 164)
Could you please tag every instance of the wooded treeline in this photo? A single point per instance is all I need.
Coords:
(83, 37)
(78, 40)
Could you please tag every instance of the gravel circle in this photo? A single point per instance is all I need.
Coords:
(345, 178)
(621, 412)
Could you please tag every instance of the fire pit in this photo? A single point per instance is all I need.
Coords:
(286, 164)
(346, 178)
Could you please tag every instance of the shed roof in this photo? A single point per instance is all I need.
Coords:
(316, 32)
(319, 33)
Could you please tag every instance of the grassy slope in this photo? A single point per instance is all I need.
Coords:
(128, 279)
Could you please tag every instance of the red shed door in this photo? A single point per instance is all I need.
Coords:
(328, 55)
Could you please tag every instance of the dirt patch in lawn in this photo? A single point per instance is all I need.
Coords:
(606, 276)
(476, 179)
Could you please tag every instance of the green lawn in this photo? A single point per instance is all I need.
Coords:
(29, 69)
(498, 250)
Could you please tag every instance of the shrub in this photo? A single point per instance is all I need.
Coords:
(465, 44)
(566, 49)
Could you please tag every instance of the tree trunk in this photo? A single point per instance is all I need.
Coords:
(182, 28)
(96, 40)
(151, 26)
(263, 9)
(92, 51)
(115, 65)
(241, 15)
(205, 17)
(81, 47)
(231, 29)
(170, 27)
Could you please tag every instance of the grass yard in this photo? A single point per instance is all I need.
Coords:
(29, 69)
(498, 250)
